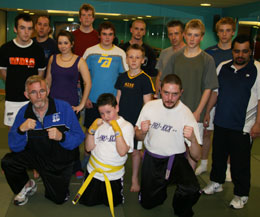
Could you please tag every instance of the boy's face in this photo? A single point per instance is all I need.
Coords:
(86, 18)
(108, 112)
(193, 37)
(134, 59)
(106, 37)
(225, 33)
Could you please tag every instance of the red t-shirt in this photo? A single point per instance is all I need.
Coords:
(84, 40)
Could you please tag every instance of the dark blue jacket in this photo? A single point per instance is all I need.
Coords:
(59, 115)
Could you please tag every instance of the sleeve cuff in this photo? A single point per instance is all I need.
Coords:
(20, 132)
(63, 137)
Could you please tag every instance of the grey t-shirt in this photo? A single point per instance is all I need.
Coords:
(196, 73)
(164, 57)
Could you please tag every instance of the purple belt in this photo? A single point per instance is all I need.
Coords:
(169, 165)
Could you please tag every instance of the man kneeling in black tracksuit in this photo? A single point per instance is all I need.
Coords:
(43, 137)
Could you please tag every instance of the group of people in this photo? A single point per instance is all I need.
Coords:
(121, 113)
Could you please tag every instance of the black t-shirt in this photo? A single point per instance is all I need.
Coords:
(132, 91)
(49, 47)
(20, 63)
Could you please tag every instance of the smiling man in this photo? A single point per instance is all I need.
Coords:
(166, 125)
(237, 120)
(19, 59)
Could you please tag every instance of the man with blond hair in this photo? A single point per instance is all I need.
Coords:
(225, 29)
(197, 71)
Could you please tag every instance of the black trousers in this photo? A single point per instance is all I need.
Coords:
(96, 194)
(55, 177)
(154, 185)
(237, 145)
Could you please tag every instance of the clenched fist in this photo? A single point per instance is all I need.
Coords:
(29, 124)
(54, 133)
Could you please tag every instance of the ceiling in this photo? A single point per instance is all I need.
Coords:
(194, 3)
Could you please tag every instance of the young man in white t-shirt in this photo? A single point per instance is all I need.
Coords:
(166, 126)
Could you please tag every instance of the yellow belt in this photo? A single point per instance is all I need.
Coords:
(107, 182)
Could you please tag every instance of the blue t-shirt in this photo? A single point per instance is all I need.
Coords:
(237, 96)
(219, 55)
(104, 66)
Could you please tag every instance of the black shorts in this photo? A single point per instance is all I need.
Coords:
(96, 194)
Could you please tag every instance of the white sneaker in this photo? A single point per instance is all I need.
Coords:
(201, 169)
(22, 198)
(228, 175)
(212, 188)
(238, 202)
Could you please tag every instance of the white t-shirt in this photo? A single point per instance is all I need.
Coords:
(165, 136)
(105, 150)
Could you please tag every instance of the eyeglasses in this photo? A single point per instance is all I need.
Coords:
(35, 93)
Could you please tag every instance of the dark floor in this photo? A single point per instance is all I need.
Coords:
(208, 206)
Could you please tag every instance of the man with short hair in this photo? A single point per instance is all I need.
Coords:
(175, 30)
(138, 31)
(237, 120)
(225, 29)
(166, 125)
(105, 62)
(19, 59)
(44, 136)
(43, 28)
(85, 36)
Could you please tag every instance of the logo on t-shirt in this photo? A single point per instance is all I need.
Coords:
(105, 61)
(22, 61)
(129, 85)
(162, 127)
(105, 138)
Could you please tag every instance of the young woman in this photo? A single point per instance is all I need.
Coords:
(63, 73)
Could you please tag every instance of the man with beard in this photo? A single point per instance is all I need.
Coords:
(237, 120)
(166, 125)
(44, 136)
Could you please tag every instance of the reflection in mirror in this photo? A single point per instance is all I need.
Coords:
(251, 27)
